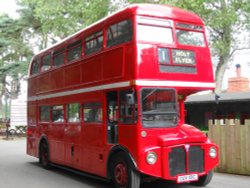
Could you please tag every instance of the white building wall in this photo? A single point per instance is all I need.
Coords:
(18, 108)
(18, 113)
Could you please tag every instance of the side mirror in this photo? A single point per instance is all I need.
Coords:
(130, 99)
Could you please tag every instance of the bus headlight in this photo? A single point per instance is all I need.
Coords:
(212, 152)
(151, 157)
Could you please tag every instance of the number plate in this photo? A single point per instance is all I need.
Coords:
(187, 178)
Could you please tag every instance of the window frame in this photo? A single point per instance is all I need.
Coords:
(98, 106)
(175, 102)
(40, 114)
(196, 34)
(70, 51)
(57, 54)
(190, 28)
(46, 62)
(93, 41)
(61, 119)
(119, 39)
(70, 118)
(35, 64)
(154, 27)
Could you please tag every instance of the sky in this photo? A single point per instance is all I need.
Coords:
(9, 7)
(242, 58)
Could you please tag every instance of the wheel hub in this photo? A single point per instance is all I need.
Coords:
(121, 174)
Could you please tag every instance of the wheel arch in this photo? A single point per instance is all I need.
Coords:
(42, 139)
(113, 152)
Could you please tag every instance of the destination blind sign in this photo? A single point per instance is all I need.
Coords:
(184, 57)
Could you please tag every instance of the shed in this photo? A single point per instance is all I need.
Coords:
(201, 108)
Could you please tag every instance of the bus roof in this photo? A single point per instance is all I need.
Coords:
(166, 11)
(154, 10)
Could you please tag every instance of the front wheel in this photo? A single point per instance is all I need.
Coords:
(204, 180)
(123, 173)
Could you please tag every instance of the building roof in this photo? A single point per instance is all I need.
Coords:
(223, 97)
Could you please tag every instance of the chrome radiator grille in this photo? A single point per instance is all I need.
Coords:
(184, 161)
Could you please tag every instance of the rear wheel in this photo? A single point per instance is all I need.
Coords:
(123, 173)
(44, 155)
(204, 180)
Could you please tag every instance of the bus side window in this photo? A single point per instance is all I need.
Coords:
(93, 112)
(35, 67)
(120, 33)
(73, 112)
(74, 51)
(57, 114)
(93, 43)
(58, 58)
(44, 113)
(46, 63)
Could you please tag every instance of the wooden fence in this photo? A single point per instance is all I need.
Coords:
(233, 140)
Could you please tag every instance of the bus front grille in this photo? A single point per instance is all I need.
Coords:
(195, 159)
(177, 160)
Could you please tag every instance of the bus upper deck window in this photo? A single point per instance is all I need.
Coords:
(189, 34)
(155, 34)
(191, 38)
(46, 63)
(74, 51)
(120, 33)
(154, 30)
(35, 67)
(58, 57)
(93, 43)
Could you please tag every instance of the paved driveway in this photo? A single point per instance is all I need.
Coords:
(17, 170)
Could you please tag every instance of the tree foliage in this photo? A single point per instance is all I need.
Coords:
(40, 24)
(14, 55)
(14, 51)
(59, 18)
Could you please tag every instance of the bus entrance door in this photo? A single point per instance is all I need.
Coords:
(112, 117)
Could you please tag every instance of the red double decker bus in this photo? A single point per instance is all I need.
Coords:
(109, 100)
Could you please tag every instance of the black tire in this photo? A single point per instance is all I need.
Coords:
(123, 173)
(204, 180)
(44, 155)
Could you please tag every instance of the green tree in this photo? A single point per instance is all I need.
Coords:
(57, 19)
(226, 21)
(41, 23)
(14, 56)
